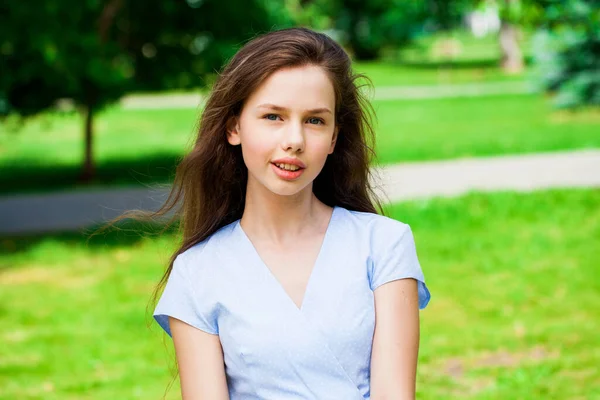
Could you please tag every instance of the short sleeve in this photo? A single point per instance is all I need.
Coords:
(396, 258)
(183, 301)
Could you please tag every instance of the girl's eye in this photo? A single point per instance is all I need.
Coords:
(313, 120)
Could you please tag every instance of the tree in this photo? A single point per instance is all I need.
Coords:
(567, 52)
(371, 25)
(510, 15)
(444, 15)
(368, 26)
(95, 51)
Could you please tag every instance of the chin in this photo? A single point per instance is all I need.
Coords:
(290, 188)
(279, 186)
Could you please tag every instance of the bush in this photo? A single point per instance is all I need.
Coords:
(567, 53)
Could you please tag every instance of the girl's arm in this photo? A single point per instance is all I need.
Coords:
(200, 360)
(395, 341)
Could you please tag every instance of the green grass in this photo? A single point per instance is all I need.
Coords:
(482, 126)
(515, 305)
(130, 147)
(143, 146)
(514, 311)
(391, 74)
(395, 74)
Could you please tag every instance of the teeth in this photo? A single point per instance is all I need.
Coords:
(288, 167)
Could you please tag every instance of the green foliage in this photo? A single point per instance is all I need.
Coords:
(445, 15)
(525, 13)
(369, 26)
(315, 14)
(567, 51)
(95, 51)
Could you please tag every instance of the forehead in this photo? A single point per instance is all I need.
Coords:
(305, 87)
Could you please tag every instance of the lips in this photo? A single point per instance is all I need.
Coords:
(287, 167)
(287, 174)
(289, 161)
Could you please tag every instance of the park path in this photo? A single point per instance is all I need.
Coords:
(412, 92)
(24, 214)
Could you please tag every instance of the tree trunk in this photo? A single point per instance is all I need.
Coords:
(88, 165)
(512, 58)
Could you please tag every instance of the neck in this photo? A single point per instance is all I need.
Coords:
(280, 219)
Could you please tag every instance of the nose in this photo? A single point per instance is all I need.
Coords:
(293, 137)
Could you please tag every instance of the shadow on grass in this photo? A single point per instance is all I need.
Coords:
(156, 168)
(125, 233)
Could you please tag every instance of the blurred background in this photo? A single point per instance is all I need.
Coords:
(99, 100)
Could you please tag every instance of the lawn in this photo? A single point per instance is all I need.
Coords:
(514, 311)
(480, 126)
(389, 73)
(143, 146)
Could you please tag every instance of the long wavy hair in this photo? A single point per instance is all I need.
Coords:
(209, 187)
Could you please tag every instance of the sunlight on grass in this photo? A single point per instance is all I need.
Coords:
(383, 74)
(484, 126)
(514, 274)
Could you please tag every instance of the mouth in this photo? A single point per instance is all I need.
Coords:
(287, 172)
(287, 167)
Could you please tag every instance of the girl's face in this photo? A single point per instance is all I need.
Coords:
(287, 130)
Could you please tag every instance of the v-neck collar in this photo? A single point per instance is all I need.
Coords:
(266, 270)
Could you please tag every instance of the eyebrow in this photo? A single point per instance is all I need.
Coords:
(279, 108)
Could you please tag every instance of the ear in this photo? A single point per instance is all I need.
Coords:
(334, 138)
(233, 131)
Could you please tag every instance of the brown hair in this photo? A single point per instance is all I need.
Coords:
(210, 183)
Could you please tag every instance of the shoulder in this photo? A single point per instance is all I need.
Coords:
(202, 256)
(390, 247)
(377, 227)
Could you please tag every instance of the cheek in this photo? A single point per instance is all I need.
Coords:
(319, 148)
(255, 148)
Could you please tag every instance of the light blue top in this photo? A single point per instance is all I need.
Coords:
(273, 349)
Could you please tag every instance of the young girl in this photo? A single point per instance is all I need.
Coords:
(288, 284)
